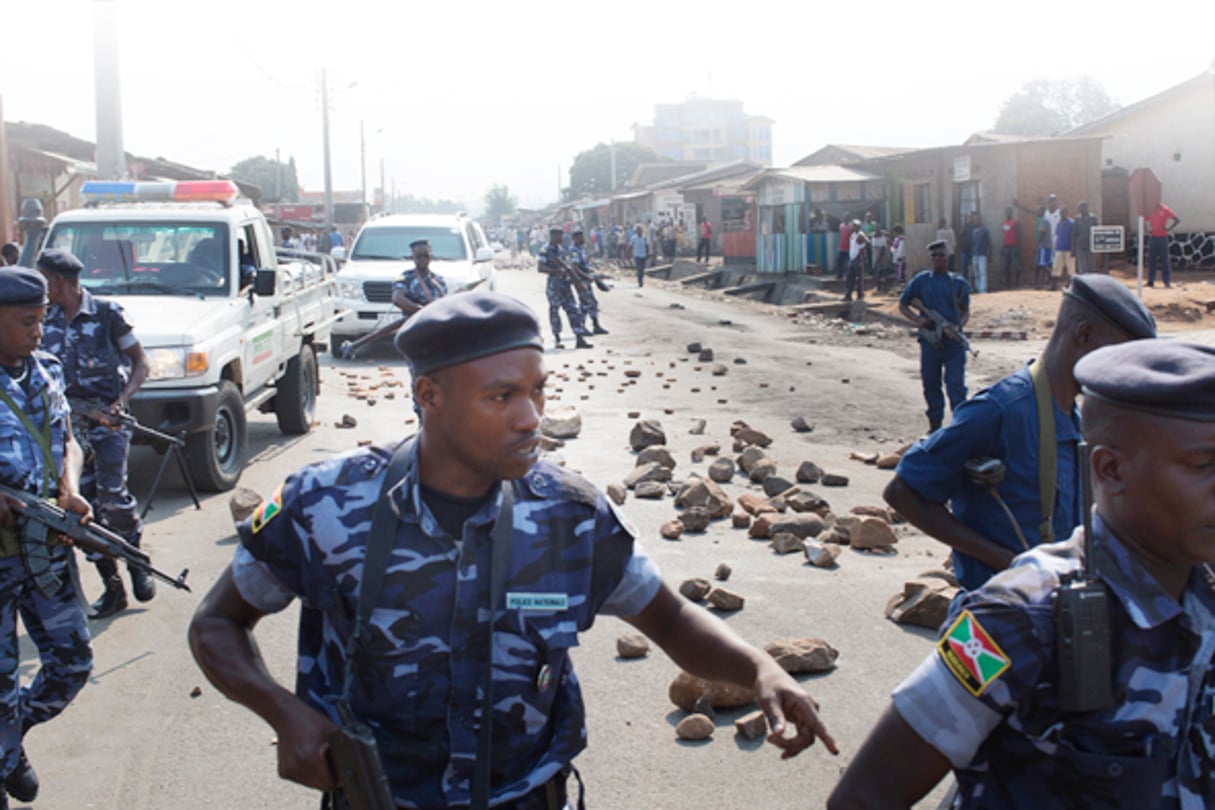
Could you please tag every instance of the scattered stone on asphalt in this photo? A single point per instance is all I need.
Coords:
(707, 494)
(695, 727)
(762, 469)
(798, 656)
(634, 414)
(740, 519)
(803, 501)
(821, 555)
(721, 470)
(752, 726)
(740, 361)
(722, 572)
(809, 473)
(775, 485)
(632, 373)
(802, 524)
(752, 436)
(924, 602)
(800, 425)
(632, 645)
(874, 511)
(671, 530)
(834, 480)
(347, 421)
(871, 533)
(548, 443)
(243, 503)
(368, 442)
(658, 454)
(698, 427)
(725, 600)
(786, 543)
(705, 356)
(695, 519)
(645, 433)
(750, 457)
(617, 493)
(652, 471)
(695, 588)
(754, 504)
(650, 490)
(562, 422)
(694, 348)
(719, 370)
(864, 458)
(703, 706)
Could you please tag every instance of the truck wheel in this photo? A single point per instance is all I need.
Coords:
(295, 402)
(216, 457)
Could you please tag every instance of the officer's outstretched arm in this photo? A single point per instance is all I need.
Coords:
(895, 768)
(704, 646)
(934, 520)
(221, 638)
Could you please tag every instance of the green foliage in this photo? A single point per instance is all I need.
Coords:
(1051, 106)
(592, 170)
(499, 203)
(264, 173)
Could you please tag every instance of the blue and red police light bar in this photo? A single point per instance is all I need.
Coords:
(172, 191)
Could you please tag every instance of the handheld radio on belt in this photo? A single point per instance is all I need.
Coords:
(1082, 622)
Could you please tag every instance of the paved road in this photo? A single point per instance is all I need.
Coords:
(137, 738)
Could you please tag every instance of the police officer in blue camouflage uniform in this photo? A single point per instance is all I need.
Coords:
(1002, 422)
(559, 293)
(418, 286)
(104, 365)
(479, 375)
(589, 305)
(37, 455)
(949, 295)
(986, 702)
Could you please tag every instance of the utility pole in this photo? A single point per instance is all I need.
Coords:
(111, 159)
(328, 170)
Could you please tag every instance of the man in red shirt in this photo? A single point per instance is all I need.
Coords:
(842, 258)
(1012, 257)
(706, 239)
(1158, 241)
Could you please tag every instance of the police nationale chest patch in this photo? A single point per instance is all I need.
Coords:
(268, 511)
(971, 654)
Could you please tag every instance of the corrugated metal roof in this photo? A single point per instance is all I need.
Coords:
(814, 174)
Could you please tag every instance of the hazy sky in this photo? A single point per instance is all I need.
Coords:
(456, 96)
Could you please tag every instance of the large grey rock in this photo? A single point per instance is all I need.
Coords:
(646, 433)
(775, 485)
(722, 599)
(721, 470)
(695, 589)
(750, 457)
(809, 473)
(752, 436)
(800, 655)
(803, 501)
(562, 422)
(834, 480)
(871, 533)
(924, 602)
(649, 490)
(821, 555)
(800, 424)
(617, 493)
(705, 493)
(244, 502)
(786, 543)
(762, 469)
(695, 519)
(656, 453)
(802, 524)
(647, 472)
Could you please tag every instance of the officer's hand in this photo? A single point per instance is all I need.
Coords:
(784, 701)
(303, 750)
(72, 502)
(7, 504)
(926, 322)
(103, 418)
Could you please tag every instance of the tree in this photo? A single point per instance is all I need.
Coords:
(592, 169)
(267, 174)
(1050, 106)
(499, 203)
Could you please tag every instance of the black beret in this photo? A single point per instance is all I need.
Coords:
(466, 326)
(58, 260)
(552, 231)
(577, 232)
(1114, 302)
(417, 243)
(22, 287)
(1160, 377)
(940, 244)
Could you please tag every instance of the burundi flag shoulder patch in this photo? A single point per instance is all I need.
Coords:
(971, 654)
(268, 510)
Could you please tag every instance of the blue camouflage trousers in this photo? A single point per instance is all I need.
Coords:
(561, 296)
(589, 304)
(951, 358)
(103, 483)
(58, 629)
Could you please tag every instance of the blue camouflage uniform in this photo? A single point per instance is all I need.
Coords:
(418, 687)
(1012, 746)
(420, 290)
(559, 294)
(56, 624)
(92, 349)
(998, 422)
(586, 290)
(949, 295)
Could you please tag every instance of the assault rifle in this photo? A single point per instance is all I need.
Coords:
(356, 762)
(38, 520)
(349, 349)
(942, 328)
(168, 445)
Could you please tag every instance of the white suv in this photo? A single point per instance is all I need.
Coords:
(460, 253)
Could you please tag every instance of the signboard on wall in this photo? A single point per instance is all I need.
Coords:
(735, 214)
(1108, 239)
(961, 168)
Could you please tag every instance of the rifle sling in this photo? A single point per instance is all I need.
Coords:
(1047, 449)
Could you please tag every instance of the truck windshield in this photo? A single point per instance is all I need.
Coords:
(149, 258)
(446, 244)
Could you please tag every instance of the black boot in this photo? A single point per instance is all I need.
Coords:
(21, 782)
(142, 585)
(557, 342)
(934, 425)
(599, 330)
(114, 599)
(581, 343)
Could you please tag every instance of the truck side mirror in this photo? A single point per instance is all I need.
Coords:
(484, 254)
(264, 286)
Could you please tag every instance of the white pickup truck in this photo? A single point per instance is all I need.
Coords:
(228, 325)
